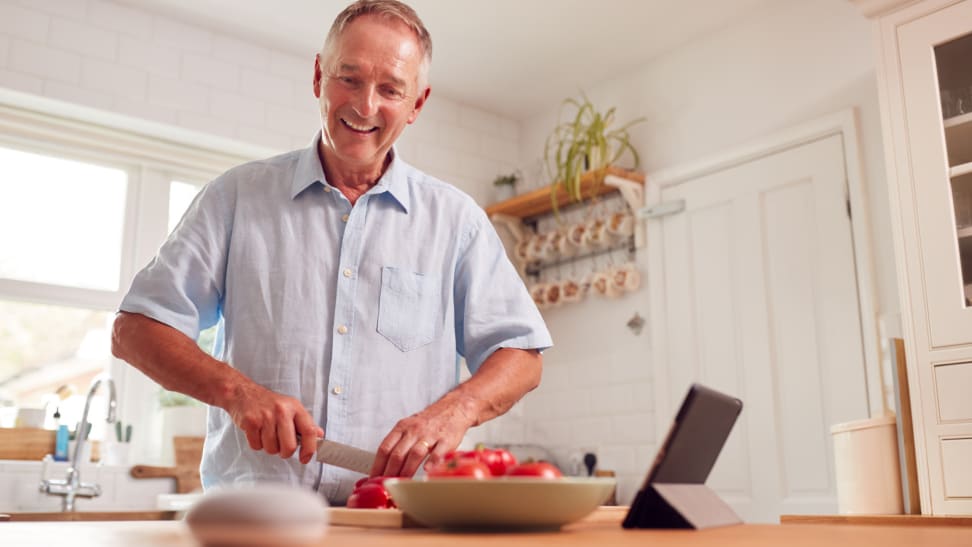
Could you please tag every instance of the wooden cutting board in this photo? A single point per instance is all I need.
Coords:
(394, 518)
(25, 443)
(371, 518)
(188, 453)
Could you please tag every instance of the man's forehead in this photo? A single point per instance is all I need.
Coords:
(344, 66)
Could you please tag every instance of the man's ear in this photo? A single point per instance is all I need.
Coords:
(419, 103)
(317, 75)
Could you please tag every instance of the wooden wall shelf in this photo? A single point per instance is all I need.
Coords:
(538, 202)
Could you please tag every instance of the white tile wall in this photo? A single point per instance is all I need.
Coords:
(121, 59)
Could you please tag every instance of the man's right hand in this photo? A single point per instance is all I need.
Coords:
(273, 422)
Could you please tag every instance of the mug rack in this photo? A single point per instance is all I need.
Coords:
(525, 216)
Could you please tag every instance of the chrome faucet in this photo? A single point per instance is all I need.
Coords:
(71, 486)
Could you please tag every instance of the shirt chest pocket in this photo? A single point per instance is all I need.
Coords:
(409, 309)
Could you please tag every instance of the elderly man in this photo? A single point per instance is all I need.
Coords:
(347, 281)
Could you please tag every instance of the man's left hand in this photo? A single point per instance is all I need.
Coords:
(431, 433)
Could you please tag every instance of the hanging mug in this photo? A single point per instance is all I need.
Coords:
(575, 237)
(625, 278)
(538, 291)
(573, 290)
(621, 225)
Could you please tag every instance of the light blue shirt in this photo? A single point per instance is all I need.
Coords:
(358, 312)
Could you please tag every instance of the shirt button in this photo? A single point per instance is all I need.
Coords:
(342, 329)
(337, 390)
(344, 218)
(327, 189)
(347, 272)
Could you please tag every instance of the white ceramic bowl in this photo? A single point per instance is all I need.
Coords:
(506, 503)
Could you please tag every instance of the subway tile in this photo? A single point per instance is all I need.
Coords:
(170, 32)
(618, 458)
(4, 50)
(435, 159)
(295, 67)
(590, 432)
(80, 37)
(113, 78)
(177, 94)
(74, 9)
(260, 85)
(153, 58)
(479, 120)
(633, 428)
(45, 62)
(123, 19)
(78, 95)
(263, 137)
(203, 69)
(291, 121)
(23, 22)
(239, 52)
(423, 130)
(441, 110)
(211, 125)
(499, 148)
(460, 139)
(141, 108)
(235, 107)
(612, 400)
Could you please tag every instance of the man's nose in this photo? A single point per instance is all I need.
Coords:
(365, 102)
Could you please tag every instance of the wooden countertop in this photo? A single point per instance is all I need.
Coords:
(177, 534)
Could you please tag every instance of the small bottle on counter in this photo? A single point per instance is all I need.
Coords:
(61, 438)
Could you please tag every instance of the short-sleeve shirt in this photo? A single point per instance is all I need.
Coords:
(358, 312)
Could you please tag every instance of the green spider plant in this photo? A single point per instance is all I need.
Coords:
(585, 143)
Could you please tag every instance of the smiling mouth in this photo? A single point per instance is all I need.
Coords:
(359, 128)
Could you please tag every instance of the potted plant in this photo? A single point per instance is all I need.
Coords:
(505, 186)
(585, 142)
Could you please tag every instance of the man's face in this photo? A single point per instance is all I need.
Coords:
(369, 91)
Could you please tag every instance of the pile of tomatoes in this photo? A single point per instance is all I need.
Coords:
(481, 463)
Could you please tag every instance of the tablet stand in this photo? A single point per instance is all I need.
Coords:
(680, 506)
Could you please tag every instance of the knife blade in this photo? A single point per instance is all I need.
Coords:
(345, 456)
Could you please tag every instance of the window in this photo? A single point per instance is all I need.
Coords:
(83, 206)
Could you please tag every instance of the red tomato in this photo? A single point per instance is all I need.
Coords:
(370, 480)
(370, 493)
(543, 470)
(468, 468)
(498, 460)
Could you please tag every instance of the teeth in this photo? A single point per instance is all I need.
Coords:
(357, 127)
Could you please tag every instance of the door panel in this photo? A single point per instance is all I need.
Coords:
(761, 302)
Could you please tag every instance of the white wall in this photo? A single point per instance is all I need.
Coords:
(773, 69)
(118, 59)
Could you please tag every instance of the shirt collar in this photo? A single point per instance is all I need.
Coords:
(309, 171)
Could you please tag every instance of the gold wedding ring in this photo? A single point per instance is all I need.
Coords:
(427, 445)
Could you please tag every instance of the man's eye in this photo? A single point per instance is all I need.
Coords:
(392, 92)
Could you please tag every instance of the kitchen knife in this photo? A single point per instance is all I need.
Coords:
(345, 456)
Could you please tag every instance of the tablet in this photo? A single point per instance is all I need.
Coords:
(690, 449)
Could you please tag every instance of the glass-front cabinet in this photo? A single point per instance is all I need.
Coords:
(924, 68)
(953, 63)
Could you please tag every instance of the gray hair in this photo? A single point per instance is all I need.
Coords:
(386, 9)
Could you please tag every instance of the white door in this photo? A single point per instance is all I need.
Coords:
(760, 301)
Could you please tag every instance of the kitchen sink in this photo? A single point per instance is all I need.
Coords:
(90, 516)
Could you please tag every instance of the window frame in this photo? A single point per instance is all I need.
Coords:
(153, 155)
